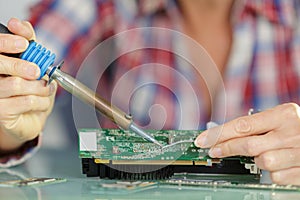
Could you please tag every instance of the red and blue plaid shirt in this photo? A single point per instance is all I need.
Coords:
(155, 85)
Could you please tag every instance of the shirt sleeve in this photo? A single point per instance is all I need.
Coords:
(21, 154)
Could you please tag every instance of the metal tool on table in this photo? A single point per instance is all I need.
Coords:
(39, 55)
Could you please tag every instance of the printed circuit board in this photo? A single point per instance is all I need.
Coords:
(117, 153)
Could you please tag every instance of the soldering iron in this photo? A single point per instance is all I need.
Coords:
(45, 59)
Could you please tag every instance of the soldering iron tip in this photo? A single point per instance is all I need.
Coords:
(157, 143)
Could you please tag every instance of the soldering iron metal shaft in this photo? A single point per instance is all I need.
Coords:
(86, 95)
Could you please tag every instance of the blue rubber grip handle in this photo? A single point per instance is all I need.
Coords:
(35, 53)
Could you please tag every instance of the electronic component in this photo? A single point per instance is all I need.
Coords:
(117, 187)
(223, 181)
(116, 153)
(184, 181)
(30, 182)
(127, 184)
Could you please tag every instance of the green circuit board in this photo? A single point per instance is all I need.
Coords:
(116, 144)
(110, 153)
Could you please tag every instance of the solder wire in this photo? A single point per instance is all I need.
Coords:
(178, 142)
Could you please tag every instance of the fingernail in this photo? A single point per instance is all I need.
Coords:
(215, 152)
(201, 141)
(13, 22)
(32, 71)
(21, 44)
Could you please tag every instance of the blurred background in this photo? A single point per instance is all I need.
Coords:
(15, 8)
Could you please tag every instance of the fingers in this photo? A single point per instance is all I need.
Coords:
(240, 127)
(279, 159)
(17, 43)
(16, 86)
(18, 67)
(255, 145)
(12, 43)
(256, 124)
(22, 28)
(24, 116)
(272, 137)
(53, 89)
(289, 176)
(26, 126)
(241, 146)
(10, 107)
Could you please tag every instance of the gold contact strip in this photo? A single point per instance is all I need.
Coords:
(152, 162)
(100, 161)
(214, 161)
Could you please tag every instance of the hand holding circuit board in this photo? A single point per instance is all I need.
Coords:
(271, 137)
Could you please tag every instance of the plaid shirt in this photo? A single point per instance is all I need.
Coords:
(262, 70)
